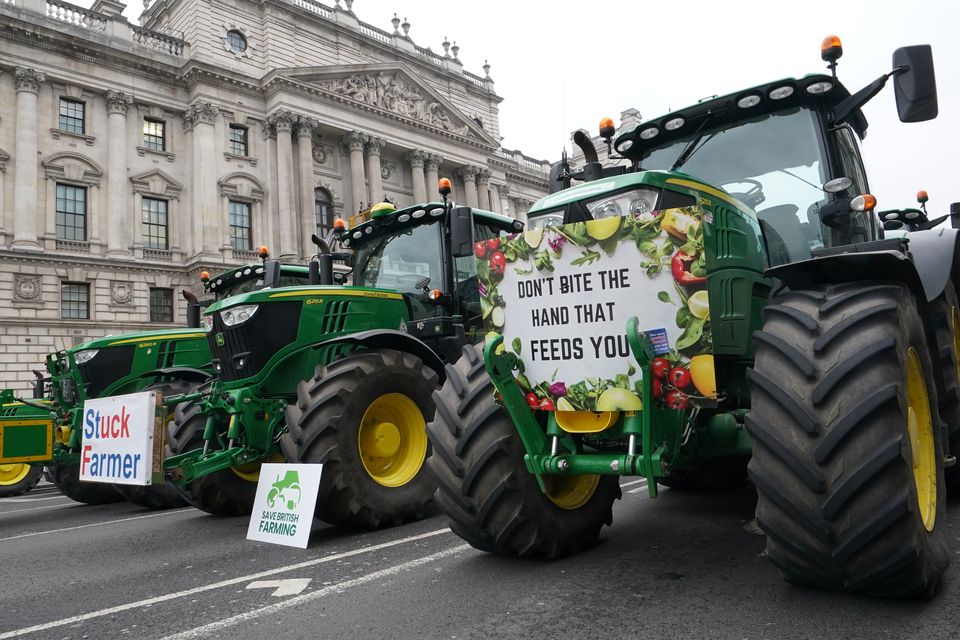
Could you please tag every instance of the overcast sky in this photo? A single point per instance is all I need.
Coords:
(562, 65)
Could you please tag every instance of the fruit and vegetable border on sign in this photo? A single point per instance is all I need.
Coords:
(561, 297)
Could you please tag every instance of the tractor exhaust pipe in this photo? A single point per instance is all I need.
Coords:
(193, 309)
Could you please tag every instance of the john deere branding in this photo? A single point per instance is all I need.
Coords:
(283, 509)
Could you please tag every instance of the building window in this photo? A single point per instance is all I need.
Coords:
(153, 213)
(71, 115)
(236, 41)
(71, 213)
(323, 207)
(153, 134)
(238, 140)
(75, 301)
(161, 305)
(240, 225)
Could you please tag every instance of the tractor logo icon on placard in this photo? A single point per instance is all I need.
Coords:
(285, 492)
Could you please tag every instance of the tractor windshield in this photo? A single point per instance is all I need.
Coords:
(773, 163)
(399, 260)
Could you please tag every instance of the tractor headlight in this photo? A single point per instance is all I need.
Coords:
(85, 356)
(635, 202)
(208, 323)
(238, 315)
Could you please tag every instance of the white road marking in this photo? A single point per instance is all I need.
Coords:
(49, 506)
(630, 484)
(287, 587)
(99, 524)
(315, 595)
(642, 487)
(217, 585)
(56, 497)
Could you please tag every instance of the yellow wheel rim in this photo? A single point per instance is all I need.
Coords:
(11, 474)
(251, 472)
(392, 440)
(954, 326)
(920, 429)
(571, 492)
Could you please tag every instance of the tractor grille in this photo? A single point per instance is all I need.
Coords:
(108, 366)
(334, 317)
(247, 348)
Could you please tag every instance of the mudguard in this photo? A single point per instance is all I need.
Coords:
(391, 339)
(935, 254)
(191, 374)
(885, 264)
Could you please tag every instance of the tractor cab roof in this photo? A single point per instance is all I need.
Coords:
(380, 222)
(817, 91)
(232, 279)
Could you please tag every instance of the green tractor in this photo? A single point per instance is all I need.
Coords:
(45, 431)
(822, 364)
(339, 375)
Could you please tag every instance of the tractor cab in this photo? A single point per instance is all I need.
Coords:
(418, 252)
(787, 150)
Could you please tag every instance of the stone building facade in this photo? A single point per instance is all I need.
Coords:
(132, 157)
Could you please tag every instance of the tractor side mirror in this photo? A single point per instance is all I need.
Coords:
(461, 232)
(916, 86)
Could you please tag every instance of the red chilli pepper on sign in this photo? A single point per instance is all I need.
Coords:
(680, 267)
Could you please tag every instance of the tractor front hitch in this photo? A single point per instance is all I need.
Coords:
(649, 459)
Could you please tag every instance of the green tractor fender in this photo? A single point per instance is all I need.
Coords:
(190, 374)
(391, 339)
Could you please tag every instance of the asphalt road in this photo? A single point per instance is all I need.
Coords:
(680, 566)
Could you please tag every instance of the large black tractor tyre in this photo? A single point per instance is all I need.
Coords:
(364, 418)
(491, 499)
(18, 478)
(716, 475)
(229, 492)
(945, 312)
(847, 456)
(67, 479)
(165, 495)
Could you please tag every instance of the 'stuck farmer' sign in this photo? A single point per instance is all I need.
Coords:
(118, 443)
(561, 297)
(283, 509)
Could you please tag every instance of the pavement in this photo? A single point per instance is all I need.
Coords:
(680, 566)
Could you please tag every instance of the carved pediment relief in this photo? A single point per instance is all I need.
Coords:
(391, 88)
(393, 93)
(156, 182)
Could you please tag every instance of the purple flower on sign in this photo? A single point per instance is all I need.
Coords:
(558, 389)
(557, 242)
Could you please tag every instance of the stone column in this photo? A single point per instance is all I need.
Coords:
(469, 175)
(307, 217)
(283, 122)
(373, 146)
(353, 142)
(503, 198)
(208, 228)
(415, 158)
(25, 160)
(272, 202)
(118, 216)
(483, 189)
(431, 170)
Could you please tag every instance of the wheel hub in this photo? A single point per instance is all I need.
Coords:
(11, 474)
(392, 440)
